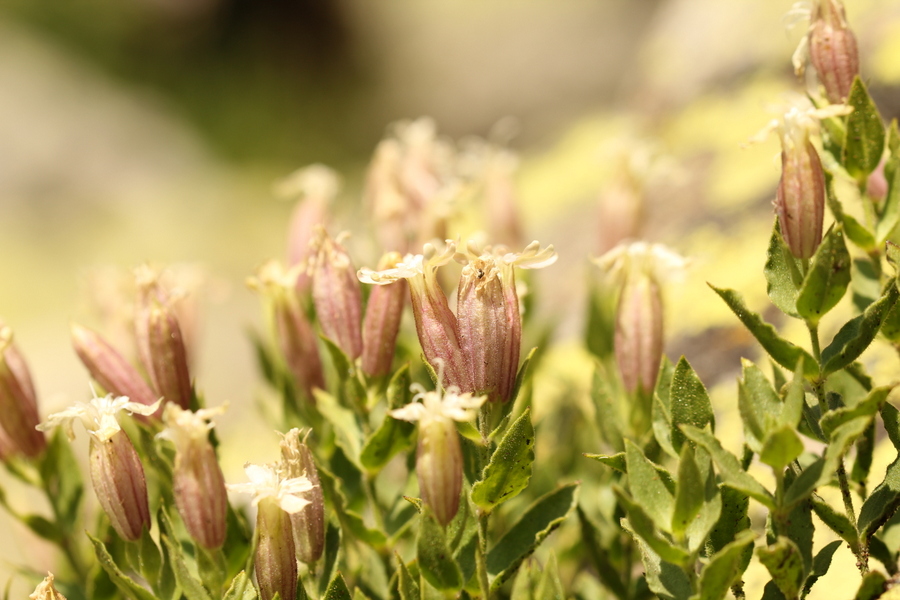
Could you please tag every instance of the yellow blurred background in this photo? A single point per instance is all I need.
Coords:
(152, 130)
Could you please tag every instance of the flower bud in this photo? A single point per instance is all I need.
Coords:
(109, 368)
(276, 565)
(307, 524)
(639, 332)
(46, 590)
(800, 200)
(199, 486)
(18, 401)
(832, 49)
(118, 479)
(382, 322)
(336, 293)
(168, 357)
(876, 183)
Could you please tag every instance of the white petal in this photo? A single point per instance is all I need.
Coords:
(292, 504)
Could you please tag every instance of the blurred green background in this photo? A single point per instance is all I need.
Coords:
(136, 130)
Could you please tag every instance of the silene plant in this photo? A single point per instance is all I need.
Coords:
(409, 465)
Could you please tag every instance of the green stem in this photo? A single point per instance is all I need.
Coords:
(814, 339)
(483, 581)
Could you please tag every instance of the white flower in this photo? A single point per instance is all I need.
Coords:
(98, 416)
(184, 426)
(484, 264)
(433, 407)
(799, 120)
(272, 275)
(660, 260)
(412, 265)
(267, 481)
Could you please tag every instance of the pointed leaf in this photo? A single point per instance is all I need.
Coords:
(241, 589)
(688, 499)
(890, 212)
(837, 521)
(782, 274)
(827, 278)
(885, 498)
(782, 351)
(347, 432)
(406, 583)
(330, 557)
(865, 133)
(616, 461)
(758, 403)
(550, 587)
(857, 334)
(125, 584)
(821, 564)
(642, 526)
(725, 567)
(785, 565)
(600, 556)
(521, 378)
(337, 589)
(666, 580)
(607, 408)
(661, 411)
(435, 557)
(781, 447)
(648, 488)
(509, 470)
(868, 406)
(690, 403)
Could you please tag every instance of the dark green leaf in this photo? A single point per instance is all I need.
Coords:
(785, 565)
(688, 499)
(435, 557)
(856, 335)
(865, 134)
(885, 498)
(782, 351)
(782, 274)
(352, 392)
(509, 470)
(337, 589)
(189, 584)
(689, 402)
(837, 521)
(821, 564)
(393, 435)
(827, 278)
(661, 410)
(725, 567)
(330, 556)
(601, 323)
(61, 475)
(890, 212)
(600, 556)
(41, 527)
(666, 580)
(729, 467)
(125, 584)
(347, 432)
(350, 521)
(873, 585)
(539, 520)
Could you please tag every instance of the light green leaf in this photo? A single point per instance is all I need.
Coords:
(872, 586)
(857, 334)
(509, 470)
(867, 407)
(689, 402)
(125, 584)
(782, 351)
(189, 584)
(759, 404)
(688, 499)
(661, 411)
(725, 567)
(406, 583)
(352, 392)
(352, 522)
(865, 134)
(666, 580)
(648, 489)
(615, 461)
(608, 418)
(780, 447)
(539, 520)
(241, 589)
(521, 378)
(729, 467)
(782, 274)
(827, 279)
(642, 526)
(347, 432)
(550, 587)
(393, 435)
(785, 565)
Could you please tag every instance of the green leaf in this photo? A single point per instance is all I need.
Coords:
(890, 212)
(61, 475)
(782, 351)
(42, 527)
(837, 521)
(539, 520)
(666, 580)
(337, 589)
(759, 405)
(785, 565)
(865, 134)
(391, 437)
(352, 391)
(606, 403)
(330, 560)
(725, 567)
(729, 467)
(509, 470)
(600, 556)
(550, 587)
(689, 402)
(347, 432)
(688, 499)
(641, 525)
(781, 447)
(782, 274)
(857, 334)
(601, 322)
(350, 521)
(885, 498)
(521, 378)
(241, 589)
(125, 584)
(827, 279)
(406, 583)
(821, 564)
(873, 586)
(648, 488)
(615, 461)
(867, 407)
(661, 411)
(190, 585)
(435, 557)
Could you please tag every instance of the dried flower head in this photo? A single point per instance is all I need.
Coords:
(46, 591)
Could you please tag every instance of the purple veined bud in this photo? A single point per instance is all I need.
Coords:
(18, 401)
(199, 487)
(316, 186)
(638, 268)
(381, 325)
(307, 524)
(436, 324)
(490, 326)
(45, 590)
(876, 183)
(639, 332)
(109, 368)
(168, 357)
(293, 332)
(439, 463)
(800, 200)
(116, 471)
(832, 49)
(277, 496)
(336, 293)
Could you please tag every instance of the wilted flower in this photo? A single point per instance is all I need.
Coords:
(18, 401)
(293, 332)
(435, 323)
(831, 48)
(490, 326)
(336, 292)
(308, 524)
(116, 471)
(46, 591)
(439, 455)
(199, 486)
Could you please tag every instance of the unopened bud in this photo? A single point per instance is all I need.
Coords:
(876, 183)
(337, 294)
(832, 49)
(308, 524)
(800, 200)
(18, 402)
(439, 467)
(46, 590)
(199, 486)
(168, 357)
(118, 480)
(109, 368)
(639, 332)
(276, 564)
(382, 322)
